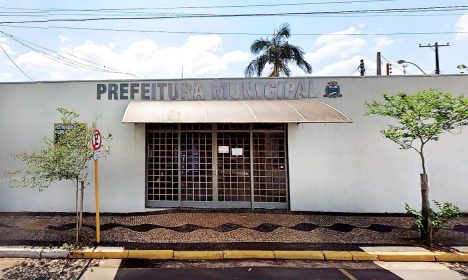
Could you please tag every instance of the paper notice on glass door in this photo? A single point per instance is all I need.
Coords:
(223, 149)
(236, 151)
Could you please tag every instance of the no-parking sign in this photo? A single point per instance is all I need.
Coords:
(97, 140)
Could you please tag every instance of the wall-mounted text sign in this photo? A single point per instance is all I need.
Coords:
(207, 90)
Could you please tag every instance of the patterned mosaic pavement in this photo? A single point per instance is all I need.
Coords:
(227, 227)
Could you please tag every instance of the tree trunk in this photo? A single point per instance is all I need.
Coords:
(81, 208)
(426, 231)
(77, 217)
(275, 72)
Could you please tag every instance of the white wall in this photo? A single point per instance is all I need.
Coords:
(333, 167)
(27, 113)
(353, 168)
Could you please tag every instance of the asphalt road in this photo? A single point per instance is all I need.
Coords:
(254, 273)
(226, 270)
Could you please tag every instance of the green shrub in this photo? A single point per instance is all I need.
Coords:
(437, 219)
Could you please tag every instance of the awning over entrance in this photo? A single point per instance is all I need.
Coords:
(232, 111)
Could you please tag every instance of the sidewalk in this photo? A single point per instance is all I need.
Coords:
(235, 230)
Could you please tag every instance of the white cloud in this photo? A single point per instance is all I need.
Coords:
(340, 55)
(199, 55)
(382, 42)
(462, 26)
(6, 47)
(334, 45)
(64, 39)
(6, 76)
(347, 67)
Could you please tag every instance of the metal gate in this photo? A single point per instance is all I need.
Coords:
(216, 165)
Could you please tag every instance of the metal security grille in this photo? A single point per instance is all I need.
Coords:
(269, 170)
(196, 166)
(234, 167)
(216, 165)
(162, 164)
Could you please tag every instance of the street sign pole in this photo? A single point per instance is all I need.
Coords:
(97, 142)
(96, 191)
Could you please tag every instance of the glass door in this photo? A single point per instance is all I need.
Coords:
(196, 168)
(216, 166)
(234, 169)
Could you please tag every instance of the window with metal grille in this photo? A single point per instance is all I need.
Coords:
(162, 165)
(234, 167)
(269, 168)
(196, 166)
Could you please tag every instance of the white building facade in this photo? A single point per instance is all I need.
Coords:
(302, 144)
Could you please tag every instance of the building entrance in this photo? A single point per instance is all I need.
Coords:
(216, 165)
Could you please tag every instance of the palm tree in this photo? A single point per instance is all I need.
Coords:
(277, 52)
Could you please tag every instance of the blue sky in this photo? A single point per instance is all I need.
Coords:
(160, 56)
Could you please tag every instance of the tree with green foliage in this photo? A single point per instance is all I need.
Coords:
(421, 117)
(277, 52)
(62, 157)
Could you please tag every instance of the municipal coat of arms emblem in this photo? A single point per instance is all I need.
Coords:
(332, 90)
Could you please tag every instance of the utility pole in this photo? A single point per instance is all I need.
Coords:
(379, 64)
(436, 49)
(362, 68)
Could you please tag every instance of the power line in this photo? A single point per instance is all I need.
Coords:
(24, 26)
(197, 7)
(332, 16)
(144, 15)
(412, 14)
(110, 69)
(367, 11)
(391, 63)
(56, 56)
(355, 70)
(19, 68)
(19, 15)
(237, 33)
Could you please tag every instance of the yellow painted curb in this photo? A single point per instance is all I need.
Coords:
(451, 257)
(99, 253)
(198, 255)
(337, 256)
(151, 254)
(120, 253)
(251, 254)
(364, 256)
(298, 255)
(406, 256)
(87, 253)
(113, 254)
